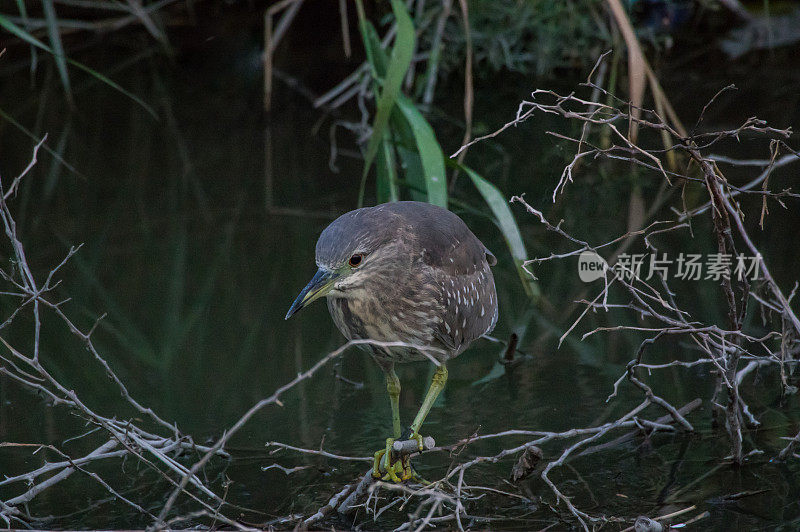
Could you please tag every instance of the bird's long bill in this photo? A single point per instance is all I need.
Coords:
(318, 286)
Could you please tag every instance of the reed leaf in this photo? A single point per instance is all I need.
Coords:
(399, 61)
(409, 156)
(55, 42)
(508, 226)
(10, 119)
(387, 189)
(12, 28)
(376, 55)
(430, 152)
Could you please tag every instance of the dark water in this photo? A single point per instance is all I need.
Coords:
(199, 230)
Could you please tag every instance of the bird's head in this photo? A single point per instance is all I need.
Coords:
(358, 247)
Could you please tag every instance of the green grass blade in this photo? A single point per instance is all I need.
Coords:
(22, 34)
(399, 61)
(376, 56)
(55, 42)
(10, 119)
(422, 156)
(54, 174)
(377, 60)
(23, 13)
(430, 152)
(27, 37)
(414, 174)
(406, 146)
(507, 224)
(97, 75)
(387, 175)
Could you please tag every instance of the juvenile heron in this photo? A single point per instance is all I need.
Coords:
(411, 273)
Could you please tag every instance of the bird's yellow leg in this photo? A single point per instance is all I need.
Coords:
(379, 465)
(393, 387)
(437, 385)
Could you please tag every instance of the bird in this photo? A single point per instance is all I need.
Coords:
(409, 273)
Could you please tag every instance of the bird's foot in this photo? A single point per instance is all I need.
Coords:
(400, 470)
(383, 467)
(412, 474)
(419, 439)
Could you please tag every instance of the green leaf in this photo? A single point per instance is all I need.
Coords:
(376, 55)
(387, 175)
(414, 175)
(414, 139)
(10, 119)
(507, 224)
(55, 41)
(430, 153)
(23, 13)
(399, 61)
(27, 37)
(406, 146)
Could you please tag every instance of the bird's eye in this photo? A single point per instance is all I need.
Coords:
(355, 260)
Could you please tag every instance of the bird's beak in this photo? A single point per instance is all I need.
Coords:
(318, 286)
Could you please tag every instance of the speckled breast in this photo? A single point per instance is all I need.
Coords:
(357, 319)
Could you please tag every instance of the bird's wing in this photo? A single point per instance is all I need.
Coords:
(458, 271)
(469, 302)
